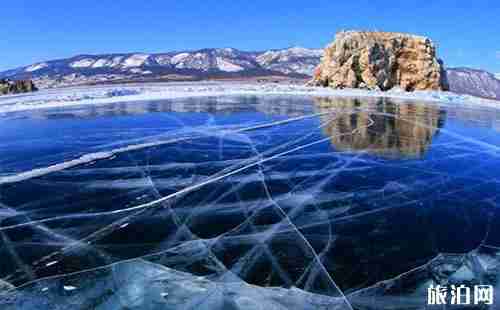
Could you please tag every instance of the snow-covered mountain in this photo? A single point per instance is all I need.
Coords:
(183, 65)
(473, 82)
(293, 60)
(210, 63)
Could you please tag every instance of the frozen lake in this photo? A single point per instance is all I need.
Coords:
(319, 198)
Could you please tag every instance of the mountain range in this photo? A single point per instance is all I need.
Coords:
(211, 63)
(474, 82)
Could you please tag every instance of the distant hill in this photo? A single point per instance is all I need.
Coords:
(473, 82)
(186, 65)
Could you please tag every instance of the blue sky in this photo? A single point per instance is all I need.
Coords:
(467, 32)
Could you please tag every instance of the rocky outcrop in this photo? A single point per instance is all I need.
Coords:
(14, 87)
(380, 60)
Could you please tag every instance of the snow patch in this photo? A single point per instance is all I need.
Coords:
(179, 58)
(287, 54)
(304, 52)
(163, 59)
(101, 63)
(136, 60)
(82, 63)
(225, 65)
(140, 71)
(116, 61)
(36, 67)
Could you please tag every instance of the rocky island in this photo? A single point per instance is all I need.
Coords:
(382, 61)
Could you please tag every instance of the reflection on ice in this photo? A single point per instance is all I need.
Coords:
(382, 127)
(272, 105)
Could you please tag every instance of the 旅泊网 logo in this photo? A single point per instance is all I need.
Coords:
(460, 295)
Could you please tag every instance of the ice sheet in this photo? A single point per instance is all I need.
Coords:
(273, 202)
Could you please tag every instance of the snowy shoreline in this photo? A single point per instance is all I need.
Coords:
(100, 95)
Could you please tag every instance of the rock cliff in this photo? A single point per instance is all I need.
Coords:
(14, 87)
(380, 60)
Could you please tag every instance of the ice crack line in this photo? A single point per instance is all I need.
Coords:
(91, 157)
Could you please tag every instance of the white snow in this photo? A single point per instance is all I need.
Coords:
(103, 62)
(95, 95)
(82, 63)
(163, 59)
(225, 65)
(135, 60)
(286, 54)
(140, 71)
(497, 76)
(179, 58)
(36, 67)
(305, 52)
(51, 263)
(116, 61)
